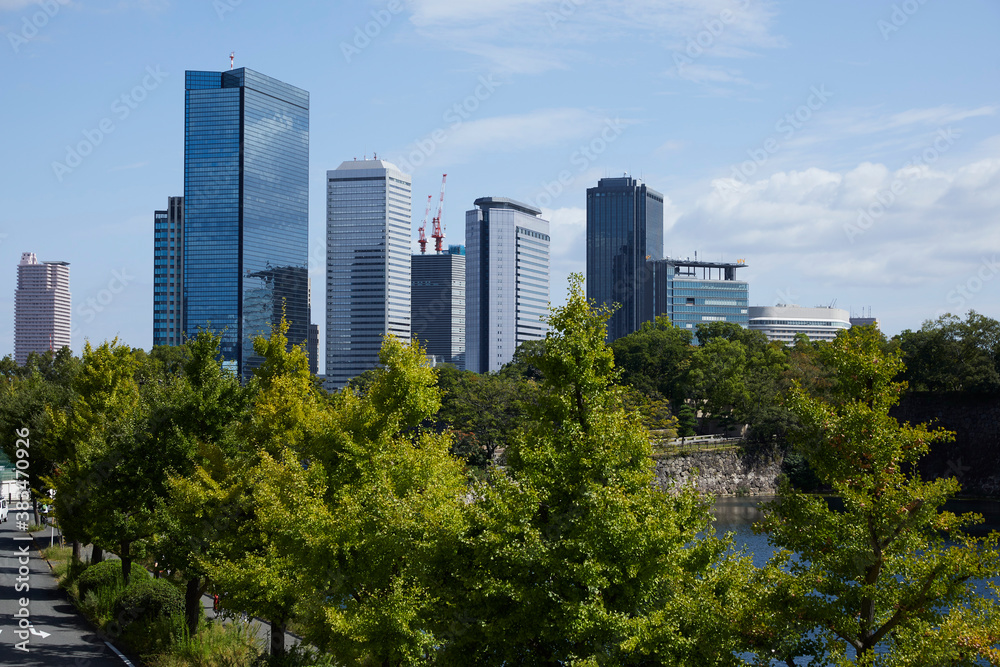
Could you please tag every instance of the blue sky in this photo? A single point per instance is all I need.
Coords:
(849, 151)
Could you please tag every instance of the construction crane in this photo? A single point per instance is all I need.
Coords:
(438, 233)
(423, 225)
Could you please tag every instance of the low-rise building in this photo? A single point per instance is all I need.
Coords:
(783, 322)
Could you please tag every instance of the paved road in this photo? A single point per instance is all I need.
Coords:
(261, 629)
(59, 636)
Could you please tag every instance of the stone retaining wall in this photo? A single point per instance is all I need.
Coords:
(722, 473)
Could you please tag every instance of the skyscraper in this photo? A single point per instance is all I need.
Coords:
(368, 218)
(624, 231)
(246, 209)
(437, 309)
(42, 307)
(507, 280)
(168, 273)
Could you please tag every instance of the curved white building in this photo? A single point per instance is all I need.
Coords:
(783, 322)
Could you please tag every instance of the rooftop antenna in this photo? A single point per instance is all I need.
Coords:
(232, 57)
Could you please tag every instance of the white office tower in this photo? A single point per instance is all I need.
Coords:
(42, 307)
(368, 217)
(506, 280)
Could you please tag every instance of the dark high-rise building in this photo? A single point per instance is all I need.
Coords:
(437, 304)
(168, 273)
(246, 209)
(312, 348)
(507, 280)
(624, 231)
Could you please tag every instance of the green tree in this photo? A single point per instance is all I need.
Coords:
(655, 358)
(572, 555)
(737, 375)
(890, 569)
(948, 354)
(26, 395)
(203, 405)
(284, 413)
(487, 406)
(524, 362)
(370, 525)
(104, 408)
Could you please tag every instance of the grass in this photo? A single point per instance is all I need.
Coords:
(59, 557)
(166, 642)
(214, 645)
(35, 527)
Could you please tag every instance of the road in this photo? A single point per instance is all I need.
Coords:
(58, 635)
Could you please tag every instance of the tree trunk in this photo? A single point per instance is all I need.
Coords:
(126, 556)
(192, 604)
(76, 551)
(96, 554)
(277, 638)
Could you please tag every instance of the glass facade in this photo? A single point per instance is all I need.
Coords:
(690, 293)
(168, 273)
(507, 280)
(368, 220)
(246, 209)
(624, 231)
(437, 308)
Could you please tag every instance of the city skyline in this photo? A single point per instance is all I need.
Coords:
(848, 152)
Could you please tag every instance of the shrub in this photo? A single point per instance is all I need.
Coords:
(148, 600)
(106, 574)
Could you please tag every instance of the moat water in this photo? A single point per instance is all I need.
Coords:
(737, 515)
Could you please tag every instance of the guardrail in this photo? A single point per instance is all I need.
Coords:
(697, 441)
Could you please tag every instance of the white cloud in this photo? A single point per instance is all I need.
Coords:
(568, 252)
(532, 36)
(829, 233)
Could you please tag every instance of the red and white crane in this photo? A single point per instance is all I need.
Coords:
(438, 233)
(423, 225)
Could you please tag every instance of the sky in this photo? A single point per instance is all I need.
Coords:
(848, 152)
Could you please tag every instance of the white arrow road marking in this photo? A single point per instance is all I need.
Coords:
(40, 633)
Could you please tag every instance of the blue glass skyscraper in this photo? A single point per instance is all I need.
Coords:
(246, 209)
(624, 231)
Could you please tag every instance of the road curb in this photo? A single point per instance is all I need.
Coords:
(40, 550)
